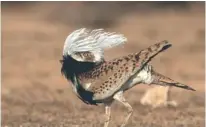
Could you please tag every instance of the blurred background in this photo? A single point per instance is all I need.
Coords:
(34, 93)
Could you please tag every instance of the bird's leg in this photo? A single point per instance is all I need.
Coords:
(107, 114)
(119, 97)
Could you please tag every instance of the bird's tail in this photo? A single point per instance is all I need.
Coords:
(162, 80)
(144, 56)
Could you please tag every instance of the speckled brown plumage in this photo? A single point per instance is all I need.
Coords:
(108, 77)
(165, 81)
(106, 81)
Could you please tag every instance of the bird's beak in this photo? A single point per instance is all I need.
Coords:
(61, 61)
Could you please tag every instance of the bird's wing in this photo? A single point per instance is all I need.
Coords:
(88, 45)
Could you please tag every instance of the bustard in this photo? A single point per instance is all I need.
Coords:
(95, 80)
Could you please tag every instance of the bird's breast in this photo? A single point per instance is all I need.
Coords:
(143, 76)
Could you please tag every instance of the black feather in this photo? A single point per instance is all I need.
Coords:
(71, 68)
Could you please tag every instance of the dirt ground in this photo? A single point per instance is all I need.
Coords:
(35, 94)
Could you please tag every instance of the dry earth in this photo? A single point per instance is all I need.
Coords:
(35, 94)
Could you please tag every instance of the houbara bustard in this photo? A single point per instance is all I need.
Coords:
(95, 80)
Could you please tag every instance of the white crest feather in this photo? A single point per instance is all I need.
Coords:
(93, 41)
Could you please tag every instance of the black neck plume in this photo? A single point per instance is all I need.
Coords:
(70, 66)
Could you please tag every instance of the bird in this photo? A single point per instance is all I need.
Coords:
(98, 81)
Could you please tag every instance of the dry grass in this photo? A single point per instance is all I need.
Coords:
(158, 96)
